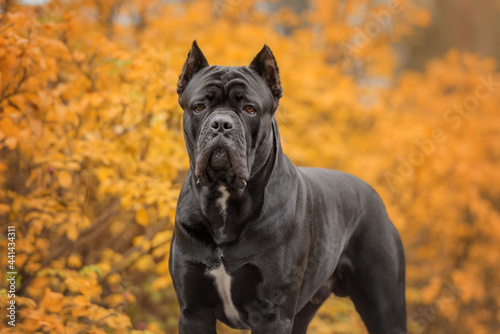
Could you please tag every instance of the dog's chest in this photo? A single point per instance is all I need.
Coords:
(222, 204)
(222, 281)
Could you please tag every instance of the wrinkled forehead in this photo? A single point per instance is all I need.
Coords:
(225, 80)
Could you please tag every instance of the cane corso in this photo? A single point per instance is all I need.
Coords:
(260, 244)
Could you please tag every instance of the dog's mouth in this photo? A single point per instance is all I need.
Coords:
(220, 163)
(219, 160)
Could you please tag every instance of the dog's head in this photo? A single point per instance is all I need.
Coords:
(228, 113)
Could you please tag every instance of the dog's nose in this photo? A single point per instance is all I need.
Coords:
(221, 123)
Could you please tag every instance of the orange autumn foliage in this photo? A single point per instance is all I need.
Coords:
(92, 153)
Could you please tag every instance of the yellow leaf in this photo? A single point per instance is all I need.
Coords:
(4, 208)
(144, 263)
(36, 289)
(161, 283)
(8, 127)
(105, 267)
(96, 100)
(161, 237)
(74, 261)
(72, 232)
(79, 306)
(81, 301)
(162, 266)
(137, 240)
(84, 222)
(141, 217)
(129, 298)
(114, 300)
(114, 279)
(27, 302)
(11, 142)
(79, 56)
(119, 321)
(146, 245)
(36, 126)
(65, 179)
(52, 301)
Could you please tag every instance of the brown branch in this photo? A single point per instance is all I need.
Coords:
(6, 8)
(127, 256)
(13, 105)
(108, 18)
(6, 27)
(86, 329)
(87, 74)
(16, 89)
(87, 234)
(99, 224)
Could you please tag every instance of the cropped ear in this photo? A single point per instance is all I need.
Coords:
(194, 63)
(265, 65)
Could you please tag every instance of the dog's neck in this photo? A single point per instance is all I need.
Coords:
(227, 213)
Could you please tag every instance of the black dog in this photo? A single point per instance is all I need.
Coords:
(260, 244)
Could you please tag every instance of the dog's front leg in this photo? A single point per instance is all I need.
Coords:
(199, 322)
(270, 318)
(275, 327)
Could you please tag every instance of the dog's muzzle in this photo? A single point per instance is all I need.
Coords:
(221, 152)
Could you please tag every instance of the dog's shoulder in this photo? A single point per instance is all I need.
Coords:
(338, 185)
(323, 177)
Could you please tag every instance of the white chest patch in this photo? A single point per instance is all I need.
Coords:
(222, 201)
(222, 281)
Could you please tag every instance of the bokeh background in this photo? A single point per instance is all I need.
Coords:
(404, 94)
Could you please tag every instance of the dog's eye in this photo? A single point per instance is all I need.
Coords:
(199, 107)
(250, 110)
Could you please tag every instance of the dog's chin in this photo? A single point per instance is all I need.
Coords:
(219, 160)
(216, 167)
(219, 168)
